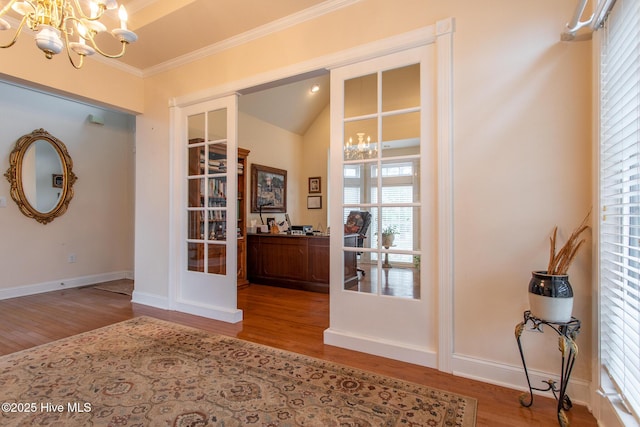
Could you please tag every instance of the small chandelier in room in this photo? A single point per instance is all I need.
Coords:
(63, 23)
(363, 149)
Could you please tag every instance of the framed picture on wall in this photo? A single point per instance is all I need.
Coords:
(314, 202)
(57, 180)
(314, 184)
(268, 189)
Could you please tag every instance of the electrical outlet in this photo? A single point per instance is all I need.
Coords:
(3, 202)
(72, 258)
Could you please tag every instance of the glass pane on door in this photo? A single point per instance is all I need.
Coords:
(381, 176)
(195, 260)
(361, 96)
(217, 259)
(207, 192)
(196, 160)
(361, 140)
(401, 134)
(401, 88)
(217, 125)
(195, 128)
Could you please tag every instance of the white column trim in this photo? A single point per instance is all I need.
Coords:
(175, 217)
(444, 45)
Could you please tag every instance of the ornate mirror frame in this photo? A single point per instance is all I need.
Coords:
(14, 175)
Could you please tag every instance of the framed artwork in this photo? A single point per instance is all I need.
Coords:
(314, 184)
(57, 180)
(314, 202)
(268, 189)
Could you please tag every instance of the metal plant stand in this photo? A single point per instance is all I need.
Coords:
(568, 348)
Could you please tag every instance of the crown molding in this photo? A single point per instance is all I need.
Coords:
(321, 9)
(408, 40)
(262, 31)
(99, 58)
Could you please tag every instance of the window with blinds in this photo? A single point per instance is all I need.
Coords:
(398, 187)
(620, 201)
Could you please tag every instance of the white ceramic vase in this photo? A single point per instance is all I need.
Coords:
(550, 297)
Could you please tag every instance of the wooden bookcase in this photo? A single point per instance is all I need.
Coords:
(216, 254)
(243, 153)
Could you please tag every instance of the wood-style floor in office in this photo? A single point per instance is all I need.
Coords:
(283, 318)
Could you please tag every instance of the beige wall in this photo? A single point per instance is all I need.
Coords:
(521, 126)
(302, 156)
(97, 82)
(98, 226)
(522, 160)
(277, 148)
(521, 148)
(314, 161)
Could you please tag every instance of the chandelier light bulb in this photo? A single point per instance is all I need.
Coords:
(60, 21)
(93, 6)
(80, 47)
(362, 149)
(23, 8)
(122, 14)
(82, 32)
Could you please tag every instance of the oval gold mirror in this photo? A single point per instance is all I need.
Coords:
(41, 176)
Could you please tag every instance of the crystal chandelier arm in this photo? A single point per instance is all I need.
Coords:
(15, 36)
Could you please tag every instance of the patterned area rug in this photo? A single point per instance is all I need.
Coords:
(124, 286)
(148, 372)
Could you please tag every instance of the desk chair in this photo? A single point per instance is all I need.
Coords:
(358, 222)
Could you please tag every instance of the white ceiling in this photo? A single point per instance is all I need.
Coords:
(290, 104)
(176, 31)
(170, 29)
(173, 32)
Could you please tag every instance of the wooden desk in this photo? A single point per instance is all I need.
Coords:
(294, 261)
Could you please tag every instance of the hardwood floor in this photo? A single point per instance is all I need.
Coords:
(284, 318)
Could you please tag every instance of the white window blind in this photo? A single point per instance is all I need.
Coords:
(401, 217)
(620, 201)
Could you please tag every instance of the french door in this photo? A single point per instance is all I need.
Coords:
(383, 157)
(208, 209)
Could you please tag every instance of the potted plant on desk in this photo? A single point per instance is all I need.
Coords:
(550, 293)
(388, 235)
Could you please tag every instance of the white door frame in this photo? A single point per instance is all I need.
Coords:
(440, 33)
(203, 294)
(415, 331)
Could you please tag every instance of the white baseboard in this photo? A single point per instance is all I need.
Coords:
(150, 300)
(468, 367)
(67, 283)
(513, 377)
(209, 311)
(392, 350)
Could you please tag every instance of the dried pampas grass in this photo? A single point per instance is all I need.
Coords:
(560, 261)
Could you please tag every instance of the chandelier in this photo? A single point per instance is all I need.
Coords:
(64, 23)
(363, 149)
